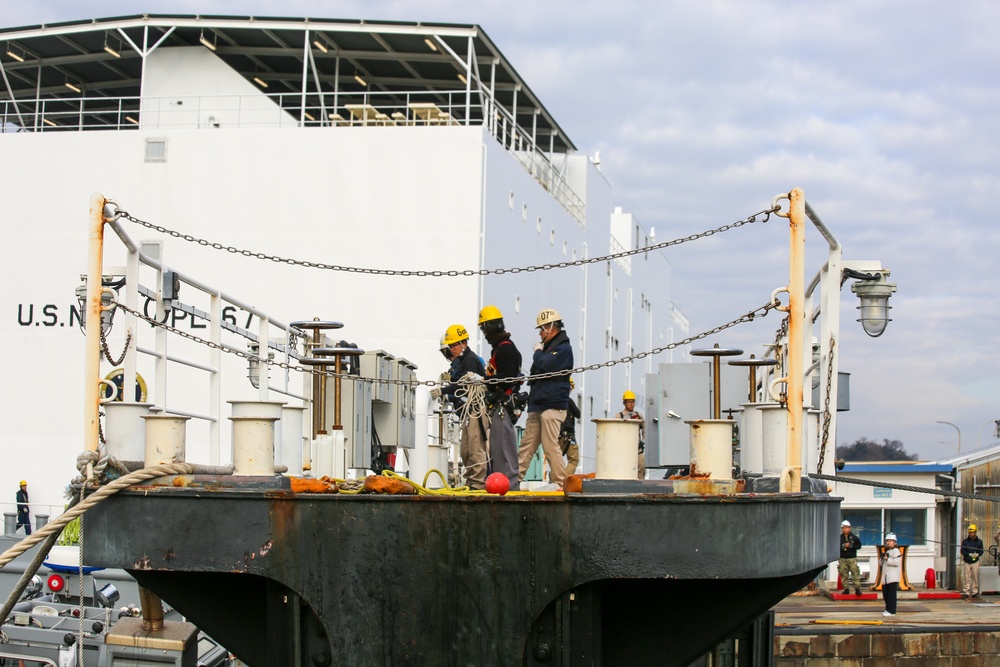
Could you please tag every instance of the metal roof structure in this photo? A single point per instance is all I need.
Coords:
(102, 60)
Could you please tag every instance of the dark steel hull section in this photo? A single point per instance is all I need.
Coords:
(307, 579)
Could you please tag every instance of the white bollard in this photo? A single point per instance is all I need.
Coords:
(712, 447)
(322, 457)
(124, 430)
(260, 409)
(774, 427)
(166, 439)
(617, 448)
(253, 446)
(291, 438)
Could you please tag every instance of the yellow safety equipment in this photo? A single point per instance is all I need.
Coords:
(547, 316)
(972, 527)
(23, 483)
(628, 396)
(571, 385)
(455, 333)
(490, 313)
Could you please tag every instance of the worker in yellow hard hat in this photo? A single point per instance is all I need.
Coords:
(972, 551)
(549, 395)
(504, 400)
(23, 513)
(466, 365)
(628, 402)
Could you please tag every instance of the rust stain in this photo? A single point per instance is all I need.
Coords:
(266, 548)
(182, 481)
(142, 564)
(169, 555)
(693, 474)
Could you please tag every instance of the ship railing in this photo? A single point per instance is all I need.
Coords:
(280, 110)
(225, 322)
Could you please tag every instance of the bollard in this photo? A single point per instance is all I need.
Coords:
(9, 523)
(166, 439)
(261, 409)
(291, 438)
(617, 448)
(41, 520)
(253, 446)
(712, 448)
(124, 430)
(751, 439)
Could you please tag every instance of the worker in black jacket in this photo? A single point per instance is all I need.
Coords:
(23, 513)
(848, 564)
(972, 551)
(503, 406)
(472, 446)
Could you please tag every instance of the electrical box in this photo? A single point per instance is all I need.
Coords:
(406, 400)
(378, 365)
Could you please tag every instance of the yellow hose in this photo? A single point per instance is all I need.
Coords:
(357, 486)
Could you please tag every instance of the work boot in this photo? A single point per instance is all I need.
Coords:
(857, 591)
(846, 591)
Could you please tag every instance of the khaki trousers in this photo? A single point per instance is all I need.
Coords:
(970, 578)
(472, 449)
(543, 428)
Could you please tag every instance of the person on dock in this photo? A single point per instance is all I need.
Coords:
(891, 573)
(848, 563)
(972, 551)
(23, 513)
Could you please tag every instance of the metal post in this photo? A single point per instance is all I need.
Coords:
(92, 363)
(791, 475)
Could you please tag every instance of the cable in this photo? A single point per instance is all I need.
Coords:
(904, 487)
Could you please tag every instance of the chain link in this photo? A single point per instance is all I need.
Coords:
(437, 274)
(107, 352)
(827, 415)
(760, 311)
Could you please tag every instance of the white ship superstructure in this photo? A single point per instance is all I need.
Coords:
(389, 146)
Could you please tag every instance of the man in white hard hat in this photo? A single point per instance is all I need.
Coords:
(549, 396)
(848, 564)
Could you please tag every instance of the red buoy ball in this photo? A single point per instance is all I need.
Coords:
(497, 483)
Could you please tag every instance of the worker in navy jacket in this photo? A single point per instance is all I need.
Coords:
(549, 396)
(972, 551)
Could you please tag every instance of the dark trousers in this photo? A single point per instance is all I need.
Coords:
(26, 522)
(889, 595)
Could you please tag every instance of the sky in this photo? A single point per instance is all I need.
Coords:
(886, 113)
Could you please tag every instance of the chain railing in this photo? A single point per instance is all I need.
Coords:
(760, 311)
(119, 213)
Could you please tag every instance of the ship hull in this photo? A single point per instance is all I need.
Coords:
(297, 579)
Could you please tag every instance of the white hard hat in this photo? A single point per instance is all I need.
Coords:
(845, 522)
(890, 536)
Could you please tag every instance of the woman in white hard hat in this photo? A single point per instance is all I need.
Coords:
(890, 574)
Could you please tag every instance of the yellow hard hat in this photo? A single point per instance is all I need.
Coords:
(547, 316)
(571, 385)
(628, 396)
(23, 483)
(490, 313)
(454, 334)
(972, 527)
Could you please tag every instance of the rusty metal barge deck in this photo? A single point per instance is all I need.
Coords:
(597, 577)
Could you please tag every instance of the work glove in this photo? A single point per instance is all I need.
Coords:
(537, 346)
(445, 377)
(436, 392)
(471, 377)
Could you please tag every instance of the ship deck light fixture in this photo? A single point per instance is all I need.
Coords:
(108, 48)
(75, 87)
(211, 45)
(16, 53)
(874, 291)
(357, 77)
(430, 44)
(320, 44)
